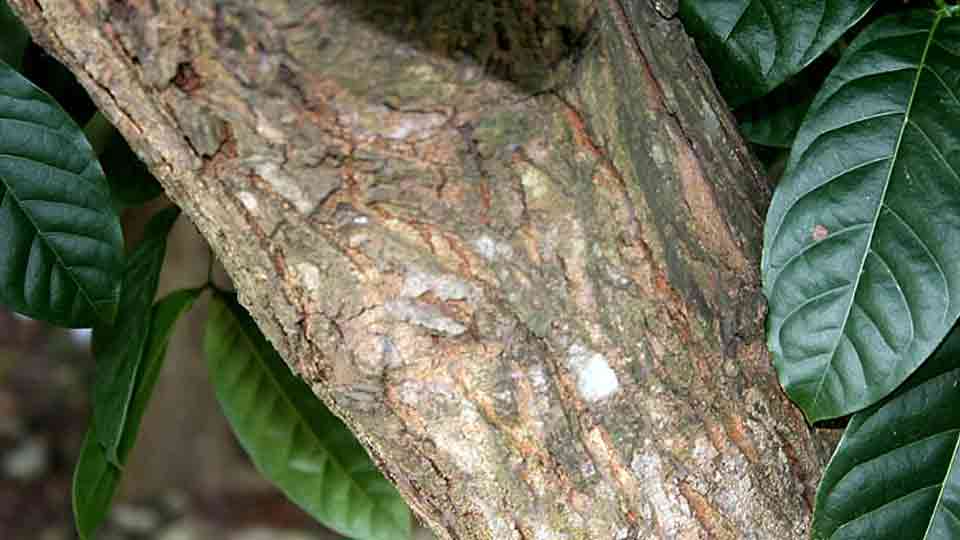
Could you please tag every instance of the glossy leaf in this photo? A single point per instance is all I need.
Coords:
(896, 473)
(754, 45)
(859, 269)
(15, 36)
(60, 241)
(118, 349)
(95, 478)
(292, 438)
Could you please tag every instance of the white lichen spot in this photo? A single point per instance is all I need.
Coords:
(489, 249)
(425, 315)
(415, 126)
(423, 71)
(486, 246)
(268, 131)
(284, 184)
(248, 200)
(544, 532)
(444, 286)
(595, 379)
(659, 156)
(361, 220)
(538, 378)
(309, 275)
(703, 451)
(534, 182)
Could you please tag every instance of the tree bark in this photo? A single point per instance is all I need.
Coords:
(513, 244)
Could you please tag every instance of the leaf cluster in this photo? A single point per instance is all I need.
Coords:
(860, 267)
(63, 260)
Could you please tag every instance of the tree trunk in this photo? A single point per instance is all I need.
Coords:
(513, 243)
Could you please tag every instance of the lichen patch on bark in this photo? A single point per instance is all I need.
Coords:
(595, 379)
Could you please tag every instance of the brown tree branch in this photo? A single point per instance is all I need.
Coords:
(513, 244)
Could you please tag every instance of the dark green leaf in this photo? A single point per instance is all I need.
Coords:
(774, 120)
(163, 318)
(60, 241)
(754, 45)
(292, 438)
(118, 349)
(56, 80)
(99, 132)
(859, 269)
(15, 36)
(131, 183)
(95, 479)
(896, 473)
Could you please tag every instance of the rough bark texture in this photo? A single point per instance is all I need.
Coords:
(513, 243)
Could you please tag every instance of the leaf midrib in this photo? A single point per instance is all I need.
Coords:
(880, 205)
(56, 254)
(954, 432)
(943, 486)
(149, 256)
(880, 508)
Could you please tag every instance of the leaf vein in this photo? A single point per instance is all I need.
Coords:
(796, 309)
(802, 251)
(929, 252)
(777, 37)
(943, 83)
(870, 318)
(847, 125)
(903, 295)
(935, 148)
(883, 195)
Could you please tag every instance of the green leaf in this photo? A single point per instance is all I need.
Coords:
(291, 437)
(896, 473)
(15, 37)
(163, 319)
(95, 478)
(118, 349)
(99, 131)
(860, 272)
(774, 120)
(56, 80)
(60, 241)
(754, 45)
(131, 183)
